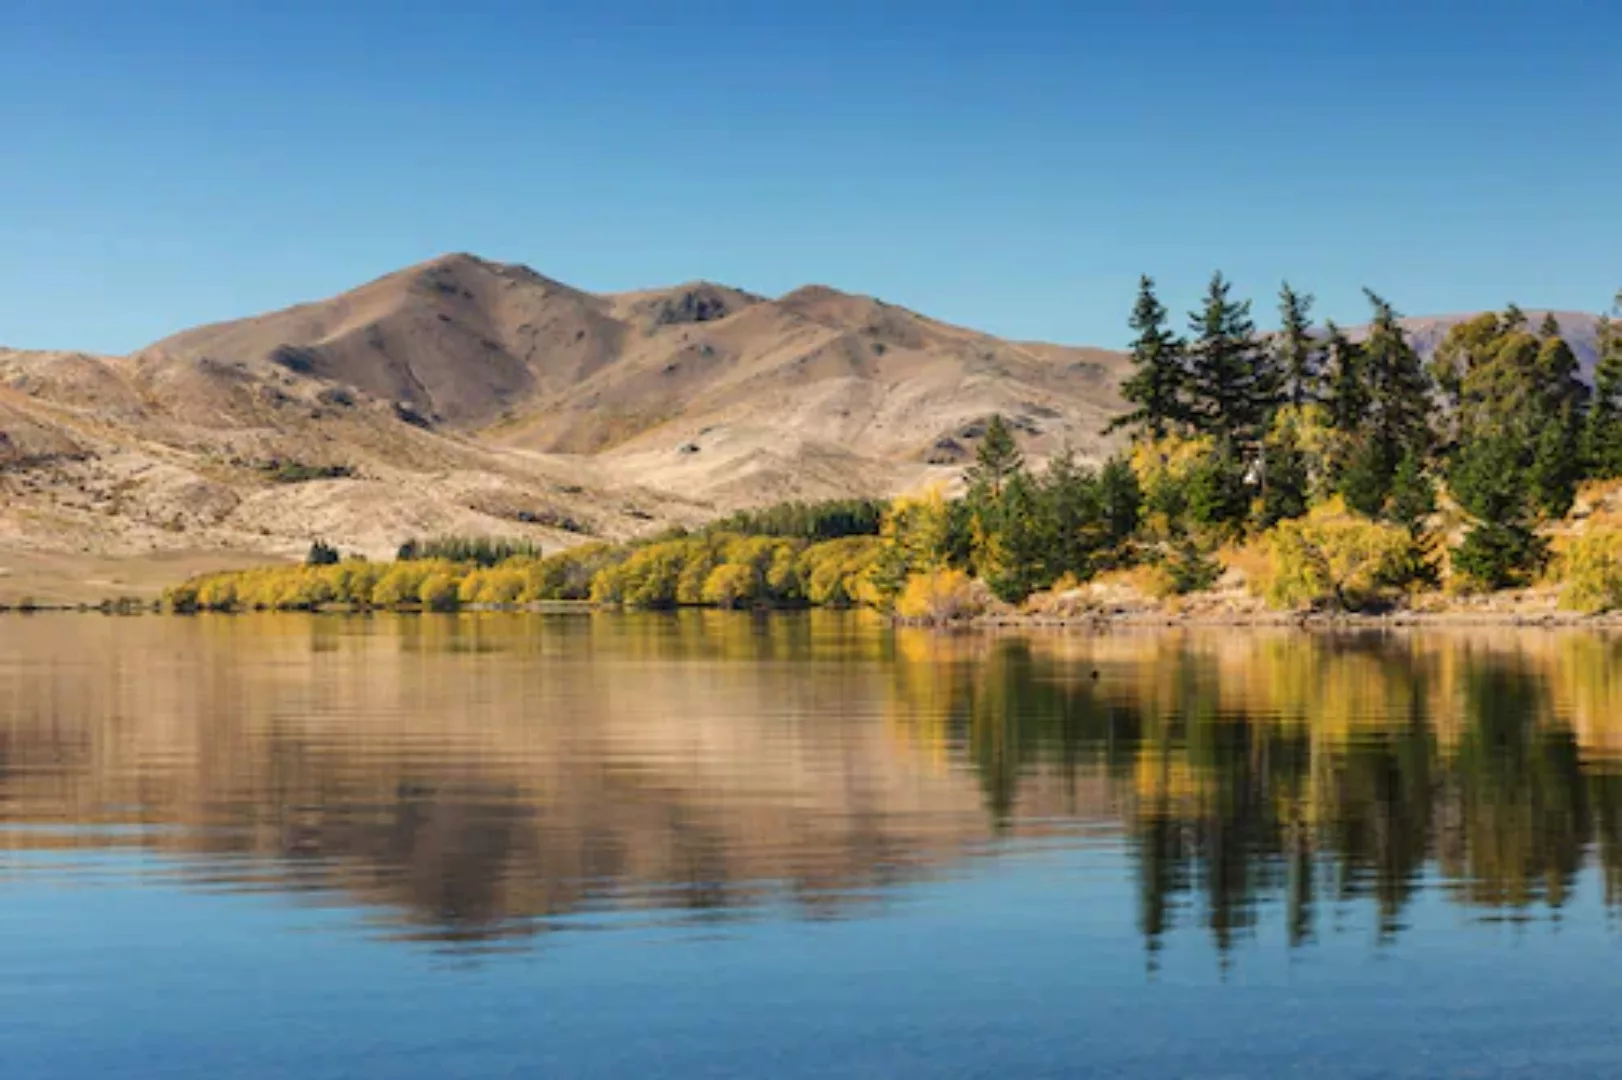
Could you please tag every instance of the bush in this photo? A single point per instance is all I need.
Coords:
(438, 592)
(1335, 558)
(1592, 571)
(836, 573)
(939, 597)
(731, 585)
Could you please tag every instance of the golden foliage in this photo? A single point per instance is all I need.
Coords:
(1591, 569)
(939, 596)
(1332, 557)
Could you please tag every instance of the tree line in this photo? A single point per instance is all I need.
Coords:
(1346, 460)
(1500, 419)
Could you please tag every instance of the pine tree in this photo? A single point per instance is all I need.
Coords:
(1602, 436)
(1559, 403)
(1487, 477)
(1556, 466)
(1295, 348)
(1157, 386)
(1120, 499)
(1399, 397)
(996, 458)
(1347, 395)
(1229, 395)
(1218, 497)
(321, 553)
(1013, 561)
(1074, 518)
(1413, 494)
(1366, 476)
(1287, 479)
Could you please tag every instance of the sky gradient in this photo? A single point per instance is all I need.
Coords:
(1010, 166)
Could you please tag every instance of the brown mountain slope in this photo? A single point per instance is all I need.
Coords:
(456, 338)
(465, 395)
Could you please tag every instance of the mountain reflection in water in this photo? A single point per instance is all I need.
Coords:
(477, 779)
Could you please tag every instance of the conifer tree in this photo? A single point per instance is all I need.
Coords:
(1158, 385)
(1398, 401)
(1218, 498)
(1287, 479)
(1347, 395)
(1013, 560)
(1120, 499)
(1231, 397)
(1297, 351)
(996, 458)
(1073, 515)
(1603, 429)
(1399, 392)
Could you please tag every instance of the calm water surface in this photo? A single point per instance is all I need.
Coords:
(712, 845)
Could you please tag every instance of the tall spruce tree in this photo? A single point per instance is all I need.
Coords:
(1230, 390)
(1158, 385)
(1297, 352)
(1399, 392)
(1602, 437)
(1560, 412)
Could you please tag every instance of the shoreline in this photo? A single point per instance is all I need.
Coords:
(1085, 620)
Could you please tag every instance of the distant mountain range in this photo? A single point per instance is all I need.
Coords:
(470, 396)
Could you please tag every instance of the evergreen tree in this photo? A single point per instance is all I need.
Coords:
(1157, 387)
(1557, 465)
(1013, 561)
(1603, 429)
(1488, 479)
(1217, 493)
(1366, 476)
(1074, 517)
(996, 458)
(321, 553)
(1120, 499)
(1295, 348)
(1413, 494)
(1231, 395)
(1286, 479)
(1399, 399)
(1347, 395)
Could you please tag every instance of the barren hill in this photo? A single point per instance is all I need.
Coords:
(467, 395)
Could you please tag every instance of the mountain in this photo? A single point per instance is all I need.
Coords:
(462, 395)
(471, 396)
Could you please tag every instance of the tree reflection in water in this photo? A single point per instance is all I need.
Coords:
(469, 779)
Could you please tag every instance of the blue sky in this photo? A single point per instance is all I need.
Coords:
(1012, 166)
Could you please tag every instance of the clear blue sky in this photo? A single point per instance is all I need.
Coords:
(1010, 165)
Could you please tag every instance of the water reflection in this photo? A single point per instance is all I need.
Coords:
(474, 779)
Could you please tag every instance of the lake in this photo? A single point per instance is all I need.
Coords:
(721, 845)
